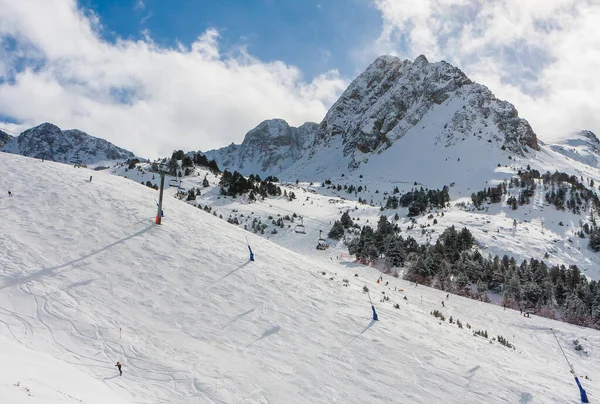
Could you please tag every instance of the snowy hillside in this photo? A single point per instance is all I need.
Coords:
(582, 146)
(201, 324)
(49, 142)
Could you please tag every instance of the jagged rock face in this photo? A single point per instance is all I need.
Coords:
(49, 142)
(267, 149)
(392, 96)
(582, 146)
(4, 138)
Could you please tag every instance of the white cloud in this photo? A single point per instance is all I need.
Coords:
(141, 96)
(541, 55)
(146, 17)
(139, 5)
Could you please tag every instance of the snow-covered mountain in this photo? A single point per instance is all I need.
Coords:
(49, 142)
(582, 146)
(389, 101)
(272, 146)
(87, 278)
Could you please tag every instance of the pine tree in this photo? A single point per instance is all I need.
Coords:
(346, 221)
(337, 231)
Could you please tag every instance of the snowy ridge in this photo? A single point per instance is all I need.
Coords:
(49, 142)
(201, 324)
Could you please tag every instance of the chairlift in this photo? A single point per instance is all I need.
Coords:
(322, 244)
(174, 183)
(300, 227)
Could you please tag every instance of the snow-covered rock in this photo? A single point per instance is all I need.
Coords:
(49, 142)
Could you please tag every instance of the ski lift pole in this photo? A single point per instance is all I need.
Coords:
(160, 198)
(375, 316)
(582, 393)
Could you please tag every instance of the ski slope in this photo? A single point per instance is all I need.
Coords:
(27, 376)
(82, 261)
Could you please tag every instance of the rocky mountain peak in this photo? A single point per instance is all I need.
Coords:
(392, 96)
(588, 134)
(272, 146)
(49, 142)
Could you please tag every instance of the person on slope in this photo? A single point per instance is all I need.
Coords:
(9, 193)
(118, 365)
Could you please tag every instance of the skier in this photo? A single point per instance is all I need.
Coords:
(443, 304)
(448, 296)
(118, 365)
(90, 178)
(9, 193)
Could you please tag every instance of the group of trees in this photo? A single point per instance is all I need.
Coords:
(451, 264)
(418, 201)
(566, 191)
(339, 226)
(351, 189)
(561, 190)
(382, 242)
(187, 163)
(494, 194)
(233, 184)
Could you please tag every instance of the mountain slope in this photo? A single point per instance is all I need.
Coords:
(49, 142)
(201, 324)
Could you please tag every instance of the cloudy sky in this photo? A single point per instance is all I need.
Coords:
(158, 75)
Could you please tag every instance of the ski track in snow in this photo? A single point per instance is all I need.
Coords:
(203, 325)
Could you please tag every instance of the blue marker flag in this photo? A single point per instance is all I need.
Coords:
(582, 393)
(251, 254)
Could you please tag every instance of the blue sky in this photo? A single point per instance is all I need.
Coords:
(314, 35)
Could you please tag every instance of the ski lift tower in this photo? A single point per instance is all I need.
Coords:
(163, 169)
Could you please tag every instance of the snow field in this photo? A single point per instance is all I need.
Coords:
(201, 324)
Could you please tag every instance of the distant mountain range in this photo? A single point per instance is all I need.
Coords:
(49, 142)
